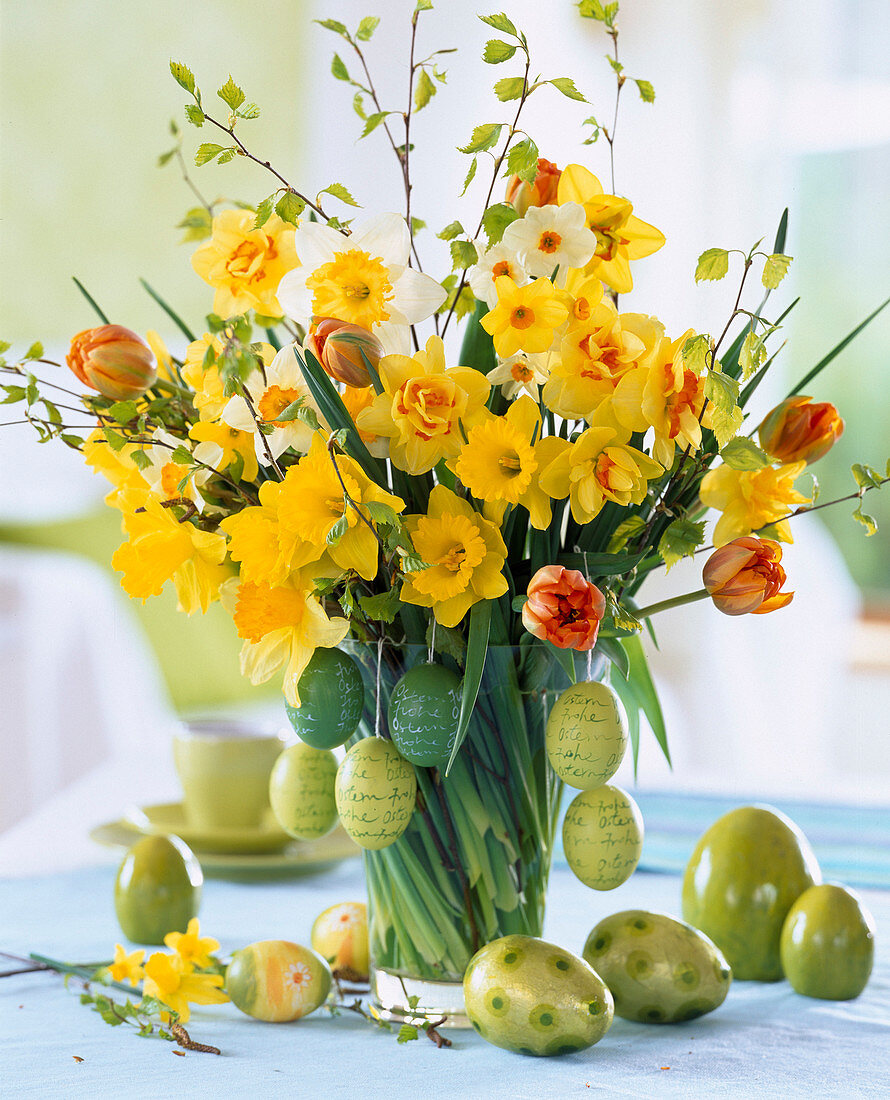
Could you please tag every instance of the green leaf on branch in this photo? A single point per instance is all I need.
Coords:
(452, 230)
(141, 459)
(522, 160)
(463, 254)
(471, 172)
(381, 608)
(752, 356)
(695, 353)
(289, 207)
(338, 68)
(483, 137)
(867, 521)
(592, 9)
(647, 92)
(35, 351)
(407, 1032)
(114, 439)
(775, 269)
(367, 27)
(333, 25)
(624, 532)
(250, 110)
(680, 540)
(423, 5)
(742, 453)
(712, 265)
(198, 224)
(123, 411)
(500, 22)
(339, 192)
(208, 151)
(509, 88)
(337, 531)
(866, 476)
(496, 51)
(496, 219)
(13, 394)
(374, 120)
(264, 211)
(566, 85)
(195, 116)
(183, 76)
(231, 94)
(424, 91)
(226, 155)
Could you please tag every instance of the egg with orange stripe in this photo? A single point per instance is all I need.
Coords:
(277, 981)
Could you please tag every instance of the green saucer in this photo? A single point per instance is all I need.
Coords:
(299, 857)
(170, 817)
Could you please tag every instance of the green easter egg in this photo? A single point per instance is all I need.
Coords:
(277, 981)
(746, 872)
(828, 943)
(376, 790)
(301, 791)
(586, 735)
(658, 969)
(157, 889)
(602, 836)
(423, 714)
(332, 696)
(533, 997)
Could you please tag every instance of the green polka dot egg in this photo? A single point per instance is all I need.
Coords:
(332, 696)
(533, 997)
(658, 969)
(586, 735)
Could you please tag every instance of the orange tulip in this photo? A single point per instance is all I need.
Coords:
(797, 431)
(114, 361)
(338, 346)
(745, 577)
(542, 192)
(563, 607)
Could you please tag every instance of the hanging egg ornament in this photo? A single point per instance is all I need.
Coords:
(423, 714)
(301, 791)
(586, 735)
(602, 836)
(376, 790)
(332, 696)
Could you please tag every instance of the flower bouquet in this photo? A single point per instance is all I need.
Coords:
(431, 541)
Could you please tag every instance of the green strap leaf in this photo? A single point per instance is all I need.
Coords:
(835, 351)
(640, 680)
(171, 313)
(477, 649)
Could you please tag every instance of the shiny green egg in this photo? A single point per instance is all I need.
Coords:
(423, 714)
(602, 836)
(659, 970)
(533, 997)
(332, 696)
(746, 872)
(375, 790)
(828, 943)
(157, 889)
(586, 735)
(301, 791)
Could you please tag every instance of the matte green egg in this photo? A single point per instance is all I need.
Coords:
(376, 790)
(602, 836)
(532, 997)
(301, 790)
(586, 735)
(746, 872)
(828, 943)
(332, 696)
(659, 970)
(423, 714)
(157, 889)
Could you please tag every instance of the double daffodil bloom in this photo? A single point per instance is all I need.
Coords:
(466, 557)
(620, 236)
(174, 983)
(597, 468)
(253, 539)
(752, 499)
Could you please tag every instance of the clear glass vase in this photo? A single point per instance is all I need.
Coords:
(474, 862)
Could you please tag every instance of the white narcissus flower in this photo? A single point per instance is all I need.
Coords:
(522, 371)
(498, 260)
(283, 384)
(165, 475)
(363, 278)
(549, 236)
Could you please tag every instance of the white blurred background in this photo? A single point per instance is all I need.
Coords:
(760, 104)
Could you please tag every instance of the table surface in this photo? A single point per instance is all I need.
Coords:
(764, 1039)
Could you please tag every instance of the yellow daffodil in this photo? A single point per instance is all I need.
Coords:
(281, 626)
(667, 396)
(159, 548)
(174, 984)
(498, 463)
(193, 948)
(466, 557)
(593, 357)
(312, 499)
(583, 293)
(363, 278)
(597, 468)
(245, 265)
(117, 467)
(621, 237)
(220, 446)
(752, 499)
(127, 968)
(423, 405)
(210, 398)
(526, 317)
(253, 539)
(356, 401)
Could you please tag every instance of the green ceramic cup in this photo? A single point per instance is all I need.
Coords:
(224, 769)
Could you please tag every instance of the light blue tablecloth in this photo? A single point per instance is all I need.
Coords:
(764, 1041)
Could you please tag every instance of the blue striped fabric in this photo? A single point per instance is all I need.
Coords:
(852, 843)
